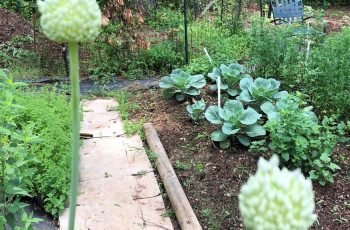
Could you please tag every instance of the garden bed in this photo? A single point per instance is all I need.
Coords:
(212, 177)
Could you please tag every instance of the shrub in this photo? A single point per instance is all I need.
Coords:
(161, 57)
(328, 76)
(300, 141)
(280, 51)
(16, 160)
(51, 114)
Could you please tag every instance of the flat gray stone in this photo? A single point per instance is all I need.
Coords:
(117, 189)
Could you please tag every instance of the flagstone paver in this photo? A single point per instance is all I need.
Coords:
(117, 189)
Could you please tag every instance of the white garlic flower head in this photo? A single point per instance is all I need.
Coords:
(70, 20)
(275, 199)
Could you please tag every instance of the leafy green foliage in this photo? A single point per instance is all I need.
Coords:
(16, 172)
(327, 79)
(161, 57)
(50, 112)
(259, 90)
(280, 51)
(196, 110)
(181, 84)
(230, 77)
(24, 6)
(300, 141)
(236, 122)
(165, 19)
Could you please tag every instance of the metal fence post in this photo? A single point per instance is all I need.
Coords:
(186, 32)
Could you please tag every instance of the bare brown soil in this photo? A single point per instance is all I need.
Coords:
(212, 177)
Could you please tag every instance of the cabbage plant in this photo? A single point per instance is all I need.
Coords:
(287, 102)
(259, 90)
(181, 84)
(230, 77)
(237, 123)
(195, 111)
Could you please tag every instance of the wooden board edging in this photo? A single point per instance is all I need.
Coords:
(182, 207)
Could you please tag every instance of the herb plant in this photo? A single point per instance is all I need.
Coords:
(300, 141)
(230, 77)
(181, 84)
(196, 110)
(237, 123)
(327, 77)
(16, 174)
(50, 111)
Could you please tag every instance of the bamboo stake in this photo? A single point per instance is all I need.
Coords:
(183, 210)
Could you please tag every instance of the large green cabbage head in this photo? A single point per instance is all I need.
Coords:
(181, 84)
(259, 90)
(236, 121)
(230, 77)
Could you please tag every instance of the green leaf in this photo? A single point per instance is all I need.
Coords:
(218, 136)
(232, 92)
(192, 92)
(229, 129)
(325, 157)
(245, 96)
(269, 109)
(285, 156)
(212, 115)
(313, 175)
(250, 117)
(4, 131)
(197, 81)
(243, 140)
(246, 83)
(280, 94)
(168, 93)
(15, 190)
(180, 97)
(334, 167)
(189, 109)
(225, 144)
(255, 130)
(166, 82)
(214, 74)
(233, 107)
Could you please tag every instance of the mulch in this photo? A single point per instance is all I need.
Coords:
(212, 177)
(12, 25)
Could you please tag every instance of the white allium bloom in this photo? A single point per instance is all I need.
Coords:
(275, 199)
(70, 20)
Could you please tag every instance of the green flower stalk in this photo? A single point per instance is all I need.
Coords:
(275, 199)
(72, 21)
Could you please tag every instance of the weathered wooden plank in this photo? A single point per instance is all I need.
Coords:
(183, 210)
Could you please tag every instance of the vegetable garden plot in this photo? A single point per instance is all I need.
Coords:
(212, 177)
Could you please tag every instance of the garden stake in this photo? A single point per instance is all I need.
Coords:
(63, 22)
(218, 80)
(186, 33)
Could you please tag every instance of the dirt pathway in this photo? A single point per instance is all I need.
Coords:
(118, 189)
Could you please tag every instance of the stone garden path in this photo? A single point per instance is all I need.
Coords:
(118, 189)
